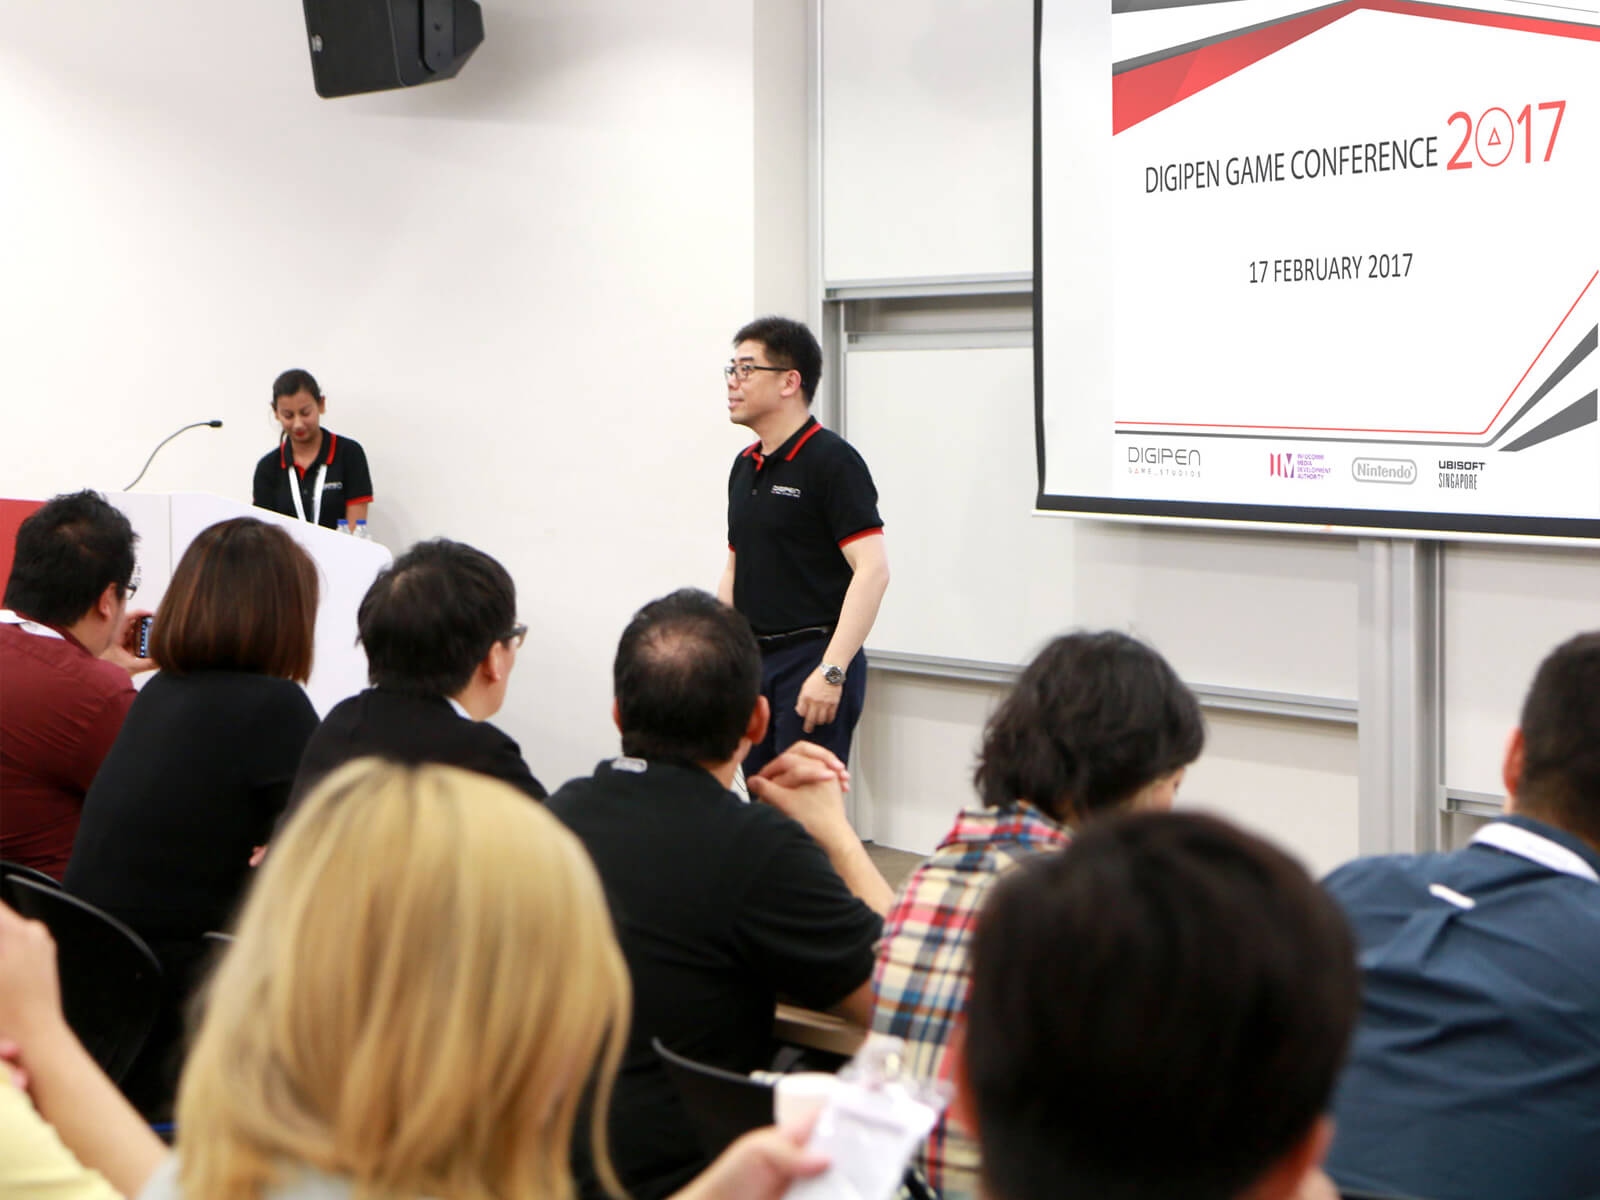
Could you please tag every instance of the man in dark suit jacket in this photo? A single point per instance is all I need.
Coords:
(440, 630)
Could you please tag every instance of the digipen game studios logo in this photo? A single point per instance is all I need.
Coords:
(1164, 462)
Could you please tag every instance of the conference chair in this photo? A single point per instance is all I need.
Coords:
(724, 1105)
(22, 872)
(721, 1105)
(110, 981)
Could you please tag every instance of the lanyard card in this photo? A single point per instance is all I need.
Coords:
(870, 1126)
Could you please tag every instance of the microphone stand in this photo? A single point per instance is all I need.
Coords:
(164, 441)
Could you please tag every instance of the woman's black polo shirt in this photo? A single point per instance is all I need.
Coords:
(790, 514)
(347, 481)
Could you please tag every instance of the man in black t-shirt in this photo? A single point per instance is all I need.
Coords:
(806, 559)
(441, 634)
(720, 906)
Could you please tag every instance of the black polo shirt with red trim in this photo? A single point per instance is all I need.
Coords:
(790, 515)
(347, 482)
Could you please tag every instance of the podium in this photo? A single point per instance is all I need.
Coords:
(167, 522)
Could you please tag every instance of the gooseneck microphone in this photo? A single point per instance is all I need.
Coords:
(163, 442)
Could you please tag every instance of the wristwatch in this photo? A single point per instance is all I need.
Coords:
(832, 674)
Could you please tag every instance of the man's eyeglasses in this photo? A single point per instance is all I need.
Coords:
(744, 370)
(134, 581)
(518, 635)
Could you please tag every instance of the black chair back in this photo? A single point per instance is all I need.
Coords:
(22, 872)
(721, 1105)
(110, 981)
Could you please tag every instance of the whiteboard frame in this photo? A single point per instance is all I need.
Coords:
(1357, 522)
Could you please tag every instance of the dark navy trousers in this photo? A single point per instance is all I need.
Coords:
(783, 672)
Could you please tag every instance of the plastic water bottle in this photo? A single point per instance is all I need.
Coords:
(342, 527)
(361, 530)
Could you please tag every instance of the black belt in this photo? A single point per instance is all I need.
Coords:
(795, 637)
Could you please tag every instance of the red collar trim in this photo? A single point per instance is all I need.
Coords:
(330, 443)
(804, 438)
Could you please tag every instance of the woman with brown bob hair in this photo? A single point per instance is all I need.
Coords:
(201, 769)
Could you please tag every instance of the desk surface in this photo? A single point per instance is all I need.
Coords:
(818, 1030)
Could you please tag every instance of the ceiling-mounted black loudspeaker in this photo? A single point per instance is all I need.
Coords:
(373, 45)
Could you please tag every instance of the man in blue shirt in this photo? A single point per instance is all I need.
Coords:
(1475, 1071)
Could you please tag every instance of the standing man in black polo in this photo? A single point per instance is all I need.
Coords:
(806, 559)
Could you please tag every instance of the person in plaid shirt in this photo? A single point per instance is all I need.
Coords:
(1097, 722)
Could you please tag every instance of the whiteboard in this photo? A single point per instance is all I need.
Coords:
(927, 138)
(975, 574)
(1505, 608)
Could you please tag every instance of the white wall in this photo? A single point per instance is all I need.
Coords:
(515, 287)
(1294, 781)
(926, 171)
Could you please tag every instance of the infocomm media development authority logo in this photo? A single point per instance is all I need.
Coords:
(1383, 470)
(1298, 466)
(1171, 462)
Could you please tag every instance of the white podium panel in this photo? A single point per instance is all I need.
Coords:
(346, 567)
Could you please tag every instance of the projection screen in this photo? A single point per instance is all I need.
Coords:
(1330, 267)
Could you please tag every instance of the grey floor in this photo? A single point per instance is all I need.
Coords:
(895, 865)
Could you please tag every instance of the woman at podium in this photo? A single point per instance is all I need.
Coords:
(314, 474)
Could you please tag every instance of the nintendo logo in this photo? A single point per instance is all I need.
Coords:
(1384, 470)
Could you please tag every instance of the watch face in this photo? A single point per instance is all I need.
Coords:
(833, 675)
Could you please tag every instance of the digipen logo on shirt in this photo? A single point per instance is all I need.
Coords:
(333, 485)
(779, 489)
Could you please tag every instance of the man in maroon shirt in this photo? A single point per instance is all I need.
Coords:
(65, 671)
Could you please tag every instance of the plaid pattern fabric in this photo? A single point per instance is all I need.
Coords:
(921, 979)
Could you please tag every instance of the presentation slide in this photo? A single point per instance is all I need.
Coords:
(1324, 267)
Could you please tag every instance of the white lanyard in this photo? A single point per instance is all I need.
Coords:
(7, 617)
(1524, 843)
(294, 493)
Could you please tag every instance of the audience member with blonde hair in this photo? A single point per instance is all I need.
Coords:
(201, 768)
(424, 985)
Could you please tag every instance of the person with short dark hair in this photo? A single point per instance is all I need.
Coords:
(440, 630)
(806, 559)
(1159, 1010)
(720, 905)
(314, 474)
(1098, 722)
(64, 635)
(201, 769)
(1476, 1065)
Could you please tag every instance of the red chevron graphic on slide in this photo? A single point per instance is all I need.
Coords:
(1141, 92)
